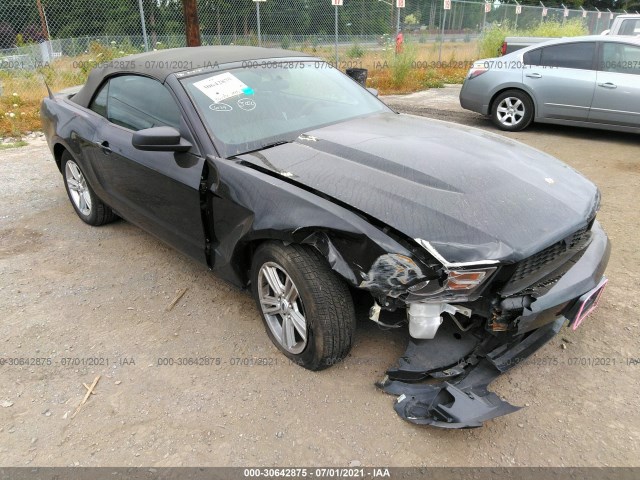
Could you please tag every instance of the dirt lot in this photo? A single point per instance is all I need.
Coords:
(69, 292)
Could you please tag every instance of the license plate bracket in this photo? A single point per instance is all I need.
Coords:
(588, 302)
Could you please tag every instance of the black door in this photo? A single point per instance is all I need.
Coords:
(158, 191)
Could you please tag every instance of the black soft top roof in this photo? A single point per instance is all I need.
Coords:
(162, 63)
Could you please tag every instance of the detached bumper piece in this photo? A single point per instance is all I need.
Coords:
(462, 400)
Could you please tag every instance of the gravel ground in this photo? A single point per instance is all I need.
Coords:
(71, 293)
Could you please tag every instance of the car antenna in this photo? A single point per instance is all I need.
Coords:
(48, 89)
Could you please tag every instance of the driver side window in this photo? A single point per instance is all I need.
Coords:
(136, 103)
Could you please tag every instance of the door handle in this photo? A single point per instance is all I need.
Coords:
(608, 85)
(534, 75)
(104, 146)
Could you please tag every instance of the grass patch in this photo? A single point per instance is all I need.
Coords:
(419, 67)
(7, 146)
(493, 37)
(402, 64)
(356, 51)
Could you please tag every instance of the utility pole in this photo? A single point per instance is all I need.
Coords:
(43, 22)
(144, 27)
(192, 26)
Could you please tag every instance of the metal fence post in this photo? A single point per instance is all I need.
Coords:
(258, 22)
(444, 19)
(336, 35)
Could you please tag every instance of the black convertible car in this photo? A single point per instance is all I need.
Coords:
(284, 175)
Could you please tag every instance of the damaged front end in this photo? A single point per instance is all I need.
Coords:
(478, 320)
(474, 308)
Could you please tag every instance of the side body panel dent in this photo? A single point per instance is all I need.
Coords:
(248, 206)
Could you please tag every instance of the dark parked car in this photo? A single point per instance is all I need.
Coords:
(282, 174)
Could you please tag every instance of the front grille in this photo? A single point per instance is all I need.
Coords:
(538, 261)
(543, 269)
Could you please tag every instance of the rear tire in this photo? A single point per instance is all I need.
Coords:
(512, 111)
(307, 310)
(87, 205)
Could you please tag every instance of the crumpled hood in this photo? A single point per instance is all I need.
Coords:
(471, 194)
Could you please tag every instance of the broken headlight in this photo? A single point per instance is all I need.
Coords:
(392, 272)
(457, 282)
(466, 281)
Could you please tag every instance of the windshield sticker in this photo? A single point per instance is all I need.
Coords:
(246, 104)
(223, 86)
(220, 107)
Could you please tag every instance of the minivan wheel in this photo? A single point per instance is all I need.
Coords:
(306, 309)
(512, 110)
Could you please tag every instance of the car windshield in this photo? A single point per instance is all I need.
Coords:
(269, 102)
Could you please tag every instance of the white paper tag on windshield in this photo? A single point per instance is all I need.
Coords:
(220, 87)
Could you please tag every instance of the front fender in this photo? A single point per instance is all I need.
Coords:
(246, 206)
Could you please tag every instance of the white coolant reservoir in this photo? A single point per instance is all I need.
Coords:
(425, 319)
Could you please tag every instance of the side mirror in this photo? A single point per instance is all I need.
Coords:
(373, 91)
(160, 139)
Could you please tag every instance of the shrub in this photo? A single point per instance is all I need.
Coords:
(286, 41)
(355, 51)
(493, 37)
(432, 80)
(402, 64)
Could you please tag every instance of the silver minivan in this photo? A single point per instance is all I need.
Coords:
(591, 81)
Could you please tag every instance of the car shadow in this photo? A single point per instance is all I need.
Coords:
(583, 133)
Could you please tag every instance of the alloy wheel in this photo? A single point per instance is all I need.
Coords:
(510, 111)
(78, 189)
(282, 307)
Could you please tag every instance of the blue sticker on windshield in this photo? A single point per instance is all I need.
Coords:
(248, 91)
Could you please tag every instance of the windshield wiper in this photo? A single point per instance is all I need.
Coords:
(266, 146)
(273, 144)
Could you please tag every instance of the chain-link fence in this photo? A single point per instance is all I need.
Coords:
(34, 32)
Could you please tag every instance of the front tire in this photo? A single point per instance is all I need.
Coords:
(87, 205)
(307, 310)
(512, 111)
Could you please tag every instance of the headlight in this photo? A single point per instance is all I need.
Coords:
(395, 274)
(391, 273)
(456, 283)
(467, 280)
